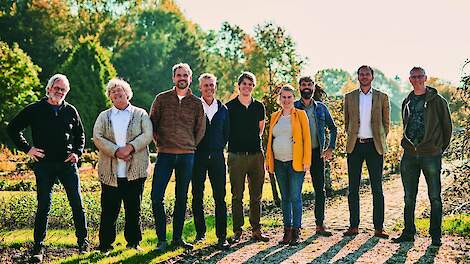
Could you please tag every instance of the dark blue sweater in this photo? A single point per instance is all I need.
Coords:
(217, 131)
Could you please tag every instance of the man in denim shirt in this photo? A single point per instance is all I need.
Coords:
(319, 118)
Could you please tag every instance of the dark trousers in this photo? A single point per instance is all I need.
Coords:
(317, 171)
(243, 166)
(214, 165)
(410, 168)
(164, 166)
(129, 192)
(374, 162)
(47, 174)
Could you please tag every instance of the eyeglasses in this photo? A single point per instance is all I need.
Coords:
(59, 89)
(286, 97)
(414, 77)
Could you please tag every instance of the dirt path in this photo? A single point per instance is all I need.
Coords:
(363, 248)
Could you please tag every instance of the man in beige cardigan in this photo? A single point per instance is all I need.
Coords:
(367, 121)
(122, 134)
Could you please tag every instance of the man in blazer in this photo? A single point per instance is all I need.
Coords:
(367, 122)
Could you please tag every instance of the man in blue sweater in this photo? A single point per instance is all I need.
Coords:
(209, 157)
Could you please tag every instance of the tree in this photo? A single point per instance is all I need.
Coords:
(332, 80)
(41, 28)
(162, 39)
(88, 69)
(19, 82)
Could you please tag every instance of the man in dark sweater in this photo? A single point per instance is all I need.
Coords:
(245, 157)
(178, 126)
(58, 141)
(426, 135)
(209, 158)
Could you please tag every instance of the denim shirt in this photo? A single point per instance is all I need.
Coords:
(323, 120)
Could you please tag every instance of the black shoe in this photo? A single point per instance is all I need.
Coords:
(83, 247)
(161, 246)
(328, 192)
(236, 237)
(199, 239)
(183, 244)
(134, 246)
(223, 244)
(105, 249)
(436, 242)
(403, 238)
(37, 254)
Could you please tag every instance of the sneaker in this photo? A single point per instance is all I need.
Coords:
(182, 243)
(381, 234)
(223, 244)
(105, 249)
(161, 246)
(352, 231)
(37, 254)
(403, 238)
(321, 231)
(258, 236)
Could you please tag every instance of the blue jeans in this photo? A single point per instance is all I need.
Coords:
(290, 183)
(47, 173)
(410, 168)
(164, 165)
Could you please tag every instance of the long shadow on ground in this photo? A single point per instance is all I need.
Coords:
(279, 253)
(400, 255)
(429, 255)
(353, 256)
(332, 251)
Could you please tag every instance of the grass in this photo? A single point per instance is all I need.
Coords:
(65, 238)
(458, 224)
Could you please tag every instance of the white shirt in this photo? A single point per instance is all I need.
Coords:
(365, 109)
(120, 121)
(211, 109)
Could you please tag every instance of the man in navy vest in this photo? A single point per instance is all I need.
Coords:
(209, 158)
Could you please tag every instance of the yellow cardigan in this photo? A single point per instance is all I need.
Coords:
(302, 147)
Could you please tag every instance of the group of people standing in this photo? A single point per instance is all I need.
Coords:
(191, 134)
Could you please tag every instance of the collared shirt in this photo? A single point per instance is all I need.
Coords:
(120, 121)
(211, 109)
(312, 121)
(365, 110)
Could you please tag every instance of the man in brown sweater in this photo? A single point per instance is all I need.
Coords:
(178, 126)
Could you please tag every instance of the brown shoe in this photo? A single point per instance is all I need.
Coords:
(352, 231)
(258, 236)
(381, 234)
(295, 237)
(321, 231)
(287, 235)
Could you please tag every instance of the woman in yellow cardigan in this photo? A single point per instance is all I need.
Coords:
(288, 156)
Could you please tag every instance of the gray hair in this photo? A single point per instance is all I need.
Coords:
(119, 82)
(54, 78)
(207, 76)
(184, 66)
(417, 68)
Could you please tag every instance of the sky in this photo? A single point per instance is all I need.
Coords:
(392, 36)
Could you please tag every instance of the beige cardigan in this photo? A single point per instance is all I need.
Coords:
(139, 135)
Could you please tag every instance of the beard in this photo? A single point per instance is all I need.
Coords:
(306, 93)
(182, 84)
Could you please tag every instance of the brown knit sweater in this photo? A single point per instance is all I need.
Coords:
(139, 135)
(178, 126)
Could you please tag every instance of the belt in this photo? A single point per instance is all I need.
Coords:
(246, 153)
(365, 140)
